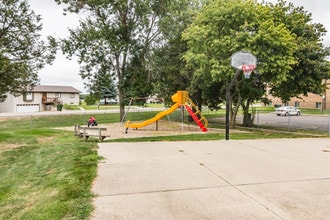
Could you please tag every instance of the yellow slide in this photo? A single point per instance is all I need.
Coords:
(154, 119)
(178, 98)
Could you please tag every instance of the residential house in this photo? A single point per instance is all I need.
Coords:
(41, 98)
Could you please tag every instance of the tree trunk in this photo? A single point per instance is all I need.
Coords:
(234, 112)
(121, 103)
(237, 105)
(247, 117)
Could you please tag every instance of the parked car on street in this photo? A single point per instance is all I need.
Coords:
(287, 110)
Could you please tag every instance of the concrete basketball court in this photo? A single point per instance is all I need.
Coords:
(235, 179)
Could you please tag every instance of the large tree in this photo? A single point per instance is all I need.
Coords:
(311, 66)
(102, 86)
(116, 36)
(22, 51)
(170, 73)
(225, 27)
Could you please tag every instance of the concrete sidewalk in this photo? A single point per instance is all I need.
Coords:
(236, 179)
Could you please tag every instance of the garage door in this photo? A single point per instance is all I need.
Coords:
(27, 108)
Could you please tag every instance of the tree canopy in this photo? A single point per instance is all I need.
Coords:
(116, 37)
(169, 69)
(22, 51)
(311, 66)
(273, 33)
(138, 45)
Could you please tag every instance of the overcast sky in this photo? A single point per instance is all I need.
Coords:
(63, 71)
(66, 72)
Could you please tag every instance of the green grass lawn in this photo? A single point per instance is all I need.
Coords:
(47, 173)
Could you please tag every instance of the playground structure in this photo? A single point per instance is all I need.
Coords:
(180, 99)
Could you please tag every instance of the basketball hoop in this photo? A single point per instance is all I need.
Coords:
(244, 61)
(247, 69)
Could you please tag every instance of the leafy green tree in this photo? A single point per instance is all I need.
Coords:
(225, 27)
(170, 71)
(112, 34)
(22, 52)
(140, 83)
(310, 68)
(102, 86)
(108, 93)
(90, 99)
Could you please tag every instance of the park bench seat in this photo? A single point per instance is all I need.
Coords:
(86, 132)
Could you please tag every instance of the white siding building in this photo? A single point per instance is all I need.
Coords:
(41, 98)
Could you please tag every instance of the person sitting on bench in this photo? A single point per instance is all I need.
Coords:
(92, 121)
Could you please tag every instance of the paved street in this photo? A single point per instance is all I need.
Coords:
(235, 179)
(305, 122)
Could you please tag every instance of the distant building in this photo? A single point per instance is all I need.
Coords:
(311, 101)
(41, 98)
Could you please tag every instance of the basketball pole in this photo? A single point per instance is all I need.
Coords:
(228, 102)
(241, 61)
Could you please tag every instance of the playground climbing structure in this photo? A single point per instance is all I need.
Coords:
(179, 99)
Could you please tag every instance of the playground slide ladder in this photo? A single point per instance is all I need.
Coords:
(196, 115)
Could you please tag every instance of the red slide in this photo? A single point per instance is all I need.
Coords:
(196, 119)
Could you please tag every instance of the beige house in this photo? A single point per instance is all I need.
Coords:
(311, 101)
(41, 98)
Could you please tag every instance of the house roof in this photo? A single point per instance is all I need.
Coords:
(48, 88)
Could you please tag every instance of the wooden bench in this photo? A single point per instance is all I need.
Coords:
(86, 132)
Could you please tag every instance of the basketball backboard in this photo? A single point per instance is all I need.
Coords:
(244, 61)
(241, 58)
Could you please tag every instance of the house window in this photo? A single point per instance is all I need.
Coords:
(318, 105)
(28, 97)
(297, 104)
(71, 95)
(57, 95)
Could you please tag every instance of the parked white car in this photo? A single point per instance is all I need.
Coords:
(287, 110)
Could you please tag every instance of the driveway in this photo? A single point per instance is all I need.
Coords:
(235, 179)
